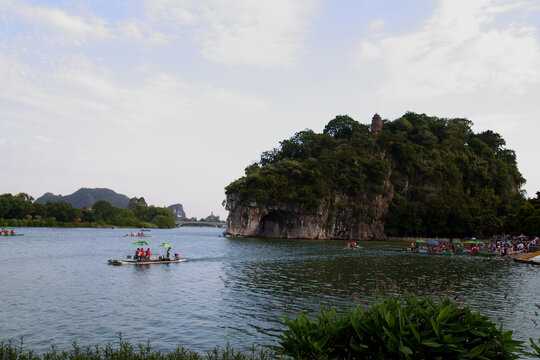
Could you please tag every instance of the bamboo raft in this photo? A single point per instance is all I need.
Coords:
(144, 262)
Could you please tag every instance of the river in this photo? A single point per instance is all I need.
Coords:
(56, 286)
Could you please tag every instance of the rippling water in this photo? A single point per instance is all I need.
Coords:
(56, 286)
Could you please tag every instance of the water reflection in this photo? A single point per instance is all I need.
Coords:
(308, 275)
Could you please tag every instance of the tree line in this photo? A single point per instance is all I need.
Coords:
(438, 176)
(21, 210)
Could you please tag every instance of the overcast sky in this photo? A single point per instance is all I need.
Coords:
(171, 99)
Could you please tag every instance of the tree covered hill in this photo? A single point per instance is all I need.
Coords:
(436, 176)
(85, 198)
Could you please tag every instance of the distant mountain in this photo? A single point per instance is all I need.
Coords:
(178, 211)
(85, 197)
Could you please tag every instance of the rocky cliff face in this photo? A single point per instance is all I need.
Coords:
(178, 211)
(331, 220)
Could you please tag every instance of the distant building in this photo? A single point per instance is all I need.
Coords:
(212, 218)
(376, 124)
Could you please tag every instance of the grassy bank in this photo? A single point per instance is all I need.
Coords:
(127, 351)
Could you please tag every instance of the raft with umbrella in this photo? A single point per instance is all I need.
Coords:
(9, 231)
(145, 262)
(154, 258)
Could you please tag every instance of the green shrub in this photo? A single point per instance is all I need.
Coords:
(395, 328)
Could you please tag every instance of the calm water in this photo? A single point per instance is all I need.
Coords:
(56, 286)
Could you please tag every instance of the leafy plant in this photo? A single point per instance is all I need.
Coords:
(399, 328)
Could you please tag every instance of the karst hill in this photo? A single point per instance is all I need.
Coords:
(416, 175)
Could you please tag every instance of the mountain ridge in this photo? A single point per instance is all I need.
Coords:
(86, 197)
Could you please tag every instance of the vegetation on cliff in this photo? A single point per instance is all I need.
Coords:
(21, 210)
(440, 178)
(527, 220)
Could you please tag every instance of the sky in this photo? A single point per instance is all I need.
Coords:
(170, 100)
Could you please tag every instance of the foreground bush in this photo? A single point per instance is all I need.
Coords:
(126, 351)
(395, 328)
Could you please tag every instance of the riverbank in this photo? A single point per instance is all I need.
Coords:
(527, 258)
(126, 351)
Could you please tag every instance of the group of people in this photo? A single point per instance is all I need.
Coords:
(144, 255)
(141, 254)
(439, 247)
(500, 245)
(508, 245)
(139, 234)
(5, 232)
(351, 245)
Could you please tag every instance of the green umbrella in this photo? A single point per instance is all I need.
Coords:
(473, 242)
(421, 241)
(166, 244)
(142, 243)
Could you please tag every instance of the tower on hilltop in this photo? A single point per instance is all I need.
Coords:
(376, 124)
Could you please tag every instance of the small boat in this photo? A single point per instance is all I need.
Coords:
(152, 260)
(137, 236)
(9, 231)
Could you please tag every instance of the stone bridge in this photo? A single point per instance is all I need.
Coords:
(181, 223)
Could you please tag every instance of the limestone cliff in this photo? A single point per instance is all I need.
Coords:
(328, 221)
(414, 176)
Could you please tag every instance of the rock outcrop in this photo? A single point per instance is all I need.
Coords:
(329, 221)
(178, 211)
(414, 175)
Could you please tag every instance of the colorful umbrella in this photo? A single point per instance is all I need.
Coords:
(142, 243)
(166, 244)
(473, 242)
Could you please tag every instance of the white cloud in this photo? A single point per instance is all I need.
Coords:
(181, 12)
(66, 27)
(376, 25)
(237, 32)
(138, 30)
(460, 48)
(268, 33)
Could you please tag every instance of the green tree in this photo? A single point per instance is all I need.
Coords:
(164, 222)
(103, 210)
(62, 211)
(341, 127)
(136, 202)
